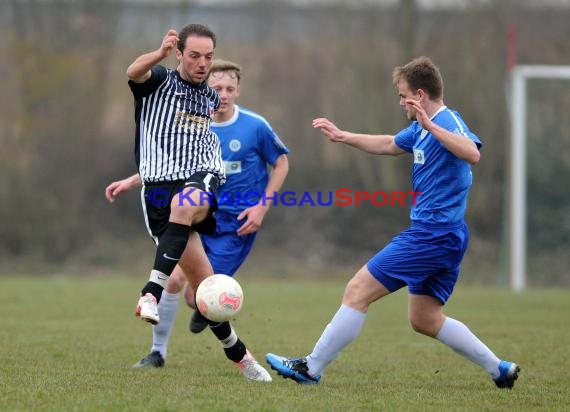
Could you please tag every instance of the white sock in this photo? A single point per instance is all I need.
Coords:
(459, 338)
(344, 327)
(167, 309)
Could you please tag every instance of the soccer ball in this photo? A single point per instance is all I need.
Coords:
(219, 298)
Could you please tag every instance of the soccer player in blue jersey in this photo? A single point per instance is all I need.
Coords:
(249, 146)
(425, 257)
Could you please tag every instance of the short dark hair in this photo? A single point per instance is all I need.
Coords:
(420, 73)
(194, 30)
(221, 66)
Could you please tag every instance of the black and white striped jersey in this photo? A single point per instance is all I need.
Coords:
(173, 136)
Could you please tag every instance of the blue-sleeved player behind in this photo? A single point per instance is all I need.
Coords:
(249, 147)
(425, 257)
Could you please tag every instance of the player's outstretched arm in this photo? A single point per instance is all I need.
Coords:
(375, 144)
(120, 186)
(139, 70)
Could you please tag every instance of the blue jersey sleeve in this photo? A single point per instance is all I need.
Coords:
(476, 139)
(158, 75)
(405, 138)
(270, 146)
(455, 124)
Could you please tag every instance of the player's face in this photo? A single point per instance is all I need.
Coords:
(226, 84)
(406, 93)
(196, 59)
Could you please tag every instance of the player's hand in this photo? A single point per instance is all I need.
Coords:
(254, 219)
(329, 129)
(169, 42)
(421, 115)
(115, 189)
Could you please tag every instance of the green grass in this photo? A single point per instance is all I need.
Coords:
(68, 344)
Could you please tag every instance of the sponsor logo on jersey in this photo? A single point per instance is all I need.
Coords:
(419, 157)
(232, 167)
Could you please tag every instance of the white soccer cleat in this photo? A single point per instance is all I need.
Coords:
(147, 309)
(252, 370)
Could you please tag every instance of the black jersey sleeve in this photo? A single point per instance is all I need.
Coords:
(158, 75)
(214, 98)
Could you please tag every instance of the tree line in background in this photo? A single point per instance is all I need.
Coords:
(67, 126)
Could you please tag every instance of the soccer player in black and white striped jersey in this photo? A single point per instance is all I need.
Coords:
(180, 165)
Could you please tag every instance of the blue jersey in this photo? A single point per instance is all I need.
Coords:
(249, 145)
(442, 178)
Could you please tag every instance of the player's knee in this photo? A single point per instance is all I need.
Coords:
(417, 326)
(183, 214)
(176, 281)
(423, 325)
(355, 296)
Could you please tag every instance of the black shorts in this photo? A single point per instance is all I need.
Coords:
(156, 198)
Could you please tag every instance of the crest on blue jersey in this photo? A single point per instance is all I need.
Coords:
(234, 145)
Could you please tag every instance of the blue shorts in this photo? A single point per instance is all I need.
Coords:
(425, 258)
(225, 249)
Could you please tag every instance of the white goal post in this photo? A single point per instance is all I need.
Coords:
(517, 221)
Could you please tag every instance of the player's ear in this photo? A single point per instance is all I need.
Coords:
(421, 94)
(178, 54)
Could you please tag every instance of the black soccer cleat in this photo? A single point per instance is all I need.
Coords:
(152, 360)
(198, 322)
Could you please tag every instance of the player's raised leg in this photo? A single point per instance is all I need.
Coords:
(234, 348)
(226, 251)
(345, 326)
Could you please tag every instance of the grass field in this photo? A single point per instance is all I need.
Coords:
(68, 344)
